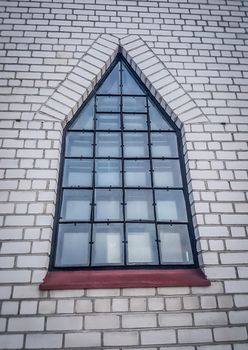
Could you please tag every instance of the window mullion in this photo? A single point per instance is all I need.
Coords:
(93, 184)
(151, 169)
(123, 174)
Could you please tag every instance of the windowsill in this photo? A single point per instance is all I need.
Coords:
(123, 279)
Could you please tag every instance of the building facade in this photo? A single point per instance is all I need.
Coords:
(192, 57)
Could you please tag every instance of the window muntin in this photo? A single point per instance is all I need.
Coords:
(122, 184)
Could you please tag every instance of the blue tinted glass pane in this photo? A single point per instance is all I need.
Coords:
(76, 205)
(79, 144)
(77, 172)
(175, 245)
(164, 145)
(139, 205)
(108, 173)
(73, 245)
(108, 104)
(157, 120)
(84, 121)
(141, 248)
(129, 85)
(108, 144)
(108, 244)
(170, 205)
(108, 121)
(135, 121)
(166, 173)
(108, 205)
(136, 145)
(134, 104)
(112, 83)
(137, 173)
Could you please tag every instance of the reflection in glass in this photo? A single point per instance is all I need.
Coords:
(141, 248)
(112, 83)
(170, 205)
(73, 245)
(107, 247)
(137, 173)
(108, 104)
(157, 120)
(79, 144)
(84, 120)
(77, 173)
(139, 205)
(175, 244)
(108, 205)
(130, 87)
(76, 205)
(108, 121)
(135, 145)
(166, 173)
(135, 121)
(108, 172)
(164, 144)
(134, 104)
(108, 144)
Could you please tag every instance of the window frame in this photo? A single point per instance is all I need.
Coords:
(189, 223)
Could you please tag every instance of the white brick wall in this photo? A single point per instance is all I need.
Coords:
(192, 55)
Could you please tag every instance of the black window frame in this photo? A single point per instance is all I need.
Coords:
(184, 188)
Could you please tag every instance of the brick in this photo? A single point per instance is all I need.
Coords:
(139, 321)
(119, 305)
(175, 320)
(26, 324)
(195, 335)
(64, 323)
(230, 333)
(210, 318)
(82, 339)
(102, 322)
(120, 338)
(11, 341)
(158, 337)
(44, 341)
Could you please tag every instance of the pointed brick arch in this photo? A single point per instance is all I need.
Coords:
(73, 91)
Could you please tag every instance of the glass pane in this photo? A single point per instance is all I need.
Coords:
(166, 173)
(108, 121)
(79, 144)
(135, 145)
(76, 205)
(112, 83)
(175, 244)
(108, 172)
(134, 104)
(108, 144)
(130, 87)
(164, 144)
(85, 118)
(139, 205)
(73, 245)
(137, 173)
(170, 205)
(135, 121)
(141, 248)
(77, 173)
(108, 205)
(157, 120)
(107, 247)
(108, 104)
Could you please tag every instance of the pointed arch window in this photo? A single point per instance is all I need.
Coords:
(123, 200)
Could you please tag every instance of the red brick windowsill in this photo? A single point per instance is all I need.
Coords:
(123, 279)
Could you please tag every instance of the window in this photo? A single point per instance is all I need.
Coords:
(122, 199)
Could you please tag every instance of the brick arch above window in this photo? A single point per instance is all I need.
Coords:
(79, 83)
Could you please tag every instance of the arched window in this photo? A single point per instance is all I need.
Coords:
(122, 199)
